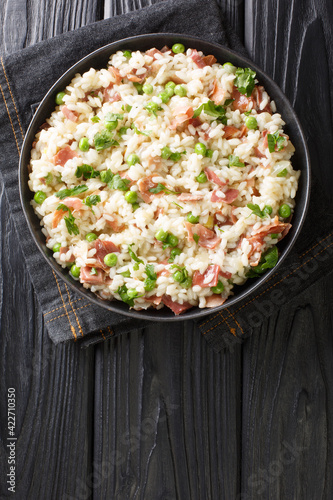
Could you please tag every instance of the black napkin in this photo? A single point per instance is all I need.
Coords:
(25, 77)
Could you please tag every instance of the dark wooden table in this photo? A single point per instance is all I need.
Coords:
(156, 414)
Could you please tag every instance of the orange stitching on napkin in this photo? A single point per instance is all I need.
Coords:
(110, 331)
(62, 298)
(66, 314)
(61, 307)
(11, 95)
(235, 320)
(102, 334)
(302, 255)
(10, 119)
(224, 320)
(76, 317)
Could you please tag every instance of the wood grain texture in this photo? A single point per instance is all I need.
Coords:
(170, 426)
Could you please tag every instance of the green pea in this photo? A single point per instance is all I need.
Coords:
(75, 271)
(147, 88)
(274, 236)
(218, 288)
(152, 107)
(267, 210)
(170, 92)
(178, 48)
(180, 90)
(178, 276)
(200, 149)
(149, 284)
(229, 67)
(49, 178)
(174, 252)
(284, 211)
(123, 130)
(110, 259)
(202, 178)
(172, 240)
(39, 197)
(132, 293)
(135, 206)
(111, 125)
(91, 237)
(131, 197)
(138, 87)
(283, 173)
(127, 54)
(161, 235)
(192, 218)
(84, 144)
(209, 153)
(251, 123)
(132, 159)
(170, 85)
(164, 96)
(187, 283)
(56, 247)
(60, 98)
(165, 153)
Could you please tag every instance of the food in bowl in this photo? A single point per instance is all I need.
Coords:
(164, 179)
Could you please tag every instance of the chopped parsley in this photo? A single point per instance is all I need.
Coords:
(267, 210)
(127, 295)
(212, 109)
(104, 140)
(64, 193)
(93, 271)
(234, 161)
(196, 238)
(160, 187)
(137, 131)
(268, 261)
(244, 80)
(114, 181)
(150, 281)
(86, 171)
(95, 119)
(133, 255)
(72, 228)
(92, 200)
(275, 140)
(113, 117)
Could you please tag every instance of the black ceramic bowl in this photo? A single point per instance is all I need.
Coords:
(98, 59)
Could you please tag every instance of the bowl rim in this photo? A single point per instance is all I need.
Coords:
(115, 305)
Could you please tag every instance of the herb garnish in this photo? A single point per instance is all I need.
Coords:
(275, 140)
(244, 80)
(104, 140)
(212, 109)
(160, 187)
(72, 228)
(64, 193)
(86, 171)
(268, 261)
(234, 161)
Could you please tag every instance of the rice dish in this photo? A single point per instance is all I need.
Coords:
(164, 179)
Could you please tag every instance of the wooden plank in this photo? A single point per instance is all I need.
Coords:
(287, 395)
(54, 385)
(167, 415)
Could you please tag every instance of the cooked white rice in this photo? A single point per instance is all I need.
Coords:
(114, 219)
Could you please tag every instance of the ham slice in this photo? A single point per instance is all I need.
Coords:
(222, 220)
(63, 155)
(175, 306)
(229, 196)
(190, 197)
(115, 226)
(154, 300)
(109, 95)
(230, 132)
(91, 279)
(258, 94)
(144, 184)
(69, 114)
(102, 249)
(74, 203)
(133, 77)
(214, 301)
(57, 216)
(241, 101)
(116, 75)
(63, 251)
(213, 177)
(275, 227)
(226, 275)
(217, 94)
(208, 279)
(200, 61)
(258, 153)
(207, 237)
(182, 114)
(152, 52)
